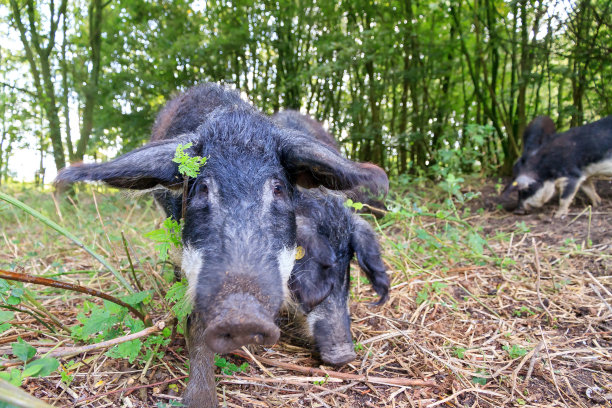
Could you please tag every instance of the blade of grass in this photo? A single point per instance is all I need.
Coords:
(29, 210)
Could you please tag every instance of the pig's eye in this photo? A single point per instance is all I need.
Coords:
(278, 189)
(200, 190)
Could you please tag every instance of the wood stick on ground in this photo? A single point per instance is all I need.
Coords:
(344, 376)
(62, 352)
(23, 277)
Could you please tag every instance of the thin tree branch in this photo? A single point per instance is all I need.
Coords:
(402, 382)
(22, 277)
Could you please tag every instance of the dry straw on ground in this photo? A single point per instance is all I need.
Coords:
(525, 322)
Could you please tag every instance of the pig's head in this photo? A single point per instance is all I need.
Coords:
(240, 232)
(538, 132)
(532, 192)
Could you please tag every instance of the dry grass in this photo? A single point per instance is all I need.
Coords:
(526, 321)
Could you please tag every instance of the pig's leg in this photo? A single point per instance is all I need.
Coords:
(567, 196)
(200, 392)
(589, 189)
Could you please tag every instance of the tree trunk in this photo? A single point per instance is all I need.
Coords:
(91, 90)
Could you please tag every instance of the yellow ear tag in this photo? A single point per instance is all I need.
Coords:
(514, 184)
(299, 253)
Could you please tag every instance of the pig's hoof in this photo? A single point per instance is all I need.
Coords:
(560, 214)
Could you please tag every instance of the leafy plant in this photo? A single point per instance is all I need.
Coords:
(166, 237)
(177, 294)
(322, 382)
(479, 380)
(523, 311)
(188, 165)
(24, 352)
(228, 368)
(434, 287)
(5, 317)
(352, 204)
(515, 351)
(459, 352)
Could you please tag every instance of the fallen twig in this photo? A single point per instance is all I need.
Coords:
(62, 352)
(23, 277)
(404, 382)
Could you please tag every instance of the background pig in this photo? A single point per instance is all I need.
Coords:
(569, 161)
(331, 235)
(240, 233)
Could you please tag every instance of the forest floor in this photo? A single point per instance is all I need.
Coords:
(487, 309)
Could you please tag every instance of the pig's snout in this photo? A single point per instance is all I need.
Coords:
(338, 355)
(241, 320)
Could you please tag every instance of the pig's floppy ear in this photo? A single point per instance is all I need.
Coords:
(311, 281)
(365, 245)
(312, 164)
(143, 168)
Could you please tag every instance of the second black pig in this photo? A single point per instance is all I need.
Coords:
(330, 235)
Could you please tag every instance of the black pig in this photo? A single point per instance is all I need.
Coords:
(240, 232)
(569, 161)
(330, 235)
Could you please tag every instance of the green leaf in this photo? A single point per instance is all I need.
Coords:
(22, 350)
(478, 380)
(5, 316)
(13, 377)
(13, 300)
(422, 295)
(128, 350)
(460, 352)
(41, 367)
(188, 166)
(138, 297)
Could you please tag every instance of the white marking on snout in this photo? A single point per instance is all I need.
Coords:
(524, 181)
(311, 319)
(191, 265)
(540, 197)
(286, 260)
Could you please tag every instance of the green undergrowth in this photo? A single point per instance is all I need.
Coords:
(430, 229)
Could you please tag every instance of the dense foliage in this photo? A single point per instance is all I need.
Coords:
(417, 87)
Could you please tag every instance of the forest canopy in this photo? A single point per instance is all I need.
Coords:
(418, 87)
